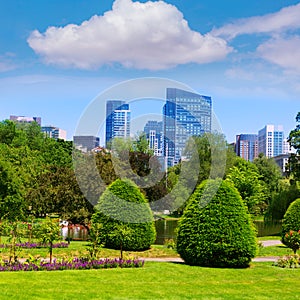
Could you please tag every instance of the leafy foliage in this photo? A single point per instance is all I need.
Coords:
(95, 244)
(287, 192)
(216, 229)
(246, 178)
(291, 220)
(292, 240)
(294, 160)
(48, 232)
(115, 212)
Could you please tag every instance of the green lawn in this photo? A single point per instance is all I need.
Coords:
(155, 281)
(78, 249)
(278, 250)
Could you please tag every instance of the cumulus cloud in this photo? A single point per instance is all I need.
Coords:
(285, 19)
(151, 35)
(282, 52)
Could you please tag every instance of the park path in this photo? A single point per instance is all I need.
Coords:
(256, 259)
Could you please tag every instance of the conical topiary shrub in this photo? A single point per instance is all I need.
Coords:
(126, 217)
(290, 232)
(220, 233)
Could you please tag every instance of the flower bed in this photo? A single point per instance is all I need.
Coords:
(289, 261)
(75, 264)
(36, 245)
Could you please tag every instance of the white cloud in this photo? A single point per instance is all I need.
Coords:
(151, 35)
(285, 19)
(282, 52)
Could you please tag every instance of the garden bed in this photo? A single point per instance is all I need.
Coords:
(75, 264)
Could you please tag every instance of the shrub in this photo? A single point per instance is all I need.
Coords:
(136, 221)
(292, 240)
(219, 233)
(291, 219)
(290, 235)
(290, 261)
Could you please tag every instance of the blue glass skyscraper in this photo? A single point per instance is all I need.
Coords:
(185, 114)
(117, 120)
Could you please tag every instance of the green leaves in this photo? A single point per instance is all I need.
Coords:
(219, 234)
(48, 232)
(291, 219)
(246, 179)
(125, 216)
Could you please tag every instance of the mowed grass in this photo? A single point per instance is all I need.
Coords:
(79, 249)
(155, 281)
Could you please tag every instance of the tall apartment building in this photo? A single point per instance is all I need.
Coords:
(86, 142)
(23, 119)
(117, 120)
(185, 114)
(154, 134)
(271, 140)
(246, 146)
(54, 132)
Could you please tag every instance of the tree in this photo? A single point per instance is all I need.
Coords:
(48, 232)
(286, 193)
(95, 243)
(57, 191)
(290, 234)
(291, 219)
(294, 160)
(122, 205)
(12, 205)
(7, 132)
(269, 171)
(216, 229)
(246, 179)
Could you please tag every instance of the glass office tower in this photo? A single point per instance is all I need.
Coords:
(185, 114)
(117, 120)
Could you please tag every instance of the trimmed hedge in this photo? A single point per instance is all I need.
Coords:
(126, 217)
(220, 233)
(291, 219)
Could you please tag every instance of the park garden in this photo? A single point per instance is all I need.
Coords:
(212, 257)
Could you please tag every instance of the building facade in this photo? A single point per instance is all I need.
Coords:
(54, 132)
(246, 146)
(86, 143)
(271, 140)
(117, 120)
(154, 134)
(23, 119)
(185, 114)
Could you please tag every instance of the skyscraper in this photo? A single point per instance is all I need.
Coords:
(271, 140)
(154, 134)
(117, 120)
(185, 114)
(247, 146)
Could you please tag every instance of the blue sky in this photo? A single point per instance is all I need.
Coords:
(57, 56)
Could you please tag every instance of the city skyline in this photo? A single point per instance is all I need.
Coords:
(245, 55)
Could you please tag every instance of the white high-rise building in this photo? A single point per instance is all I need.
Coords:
(54, 132)
(154, 134)
(271, 140)
(117, 120)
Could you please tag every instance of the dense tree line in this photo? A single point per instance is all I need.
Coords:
(38, 176)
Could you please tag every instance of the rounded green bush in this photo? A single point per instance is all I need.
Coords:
(220, 233)
(124, 224)
(291, 219)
